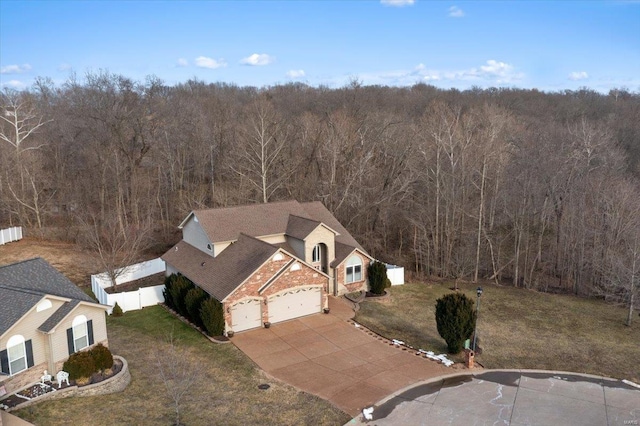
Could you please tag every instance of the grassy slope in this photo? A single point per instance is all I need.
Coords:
(519, 328)
(226, 392)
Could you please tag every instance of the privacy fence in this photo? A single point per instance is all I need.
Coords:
(10, 234)
(135, 299)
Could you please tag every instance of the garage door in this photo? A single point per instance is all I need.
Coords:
(246, 315)
(295, 303)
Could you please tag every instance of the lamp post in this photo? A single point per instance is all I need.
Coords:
(475, 331)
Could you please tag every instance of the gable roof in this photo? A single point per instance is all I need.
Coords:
(285, 217)
(24, 284)
(221, 275)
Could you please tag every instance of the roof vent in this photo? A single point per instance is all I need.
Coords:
(176, 247)
(202, 264)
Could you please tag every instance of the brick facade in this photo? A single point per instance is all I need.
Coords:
(341, 272)
(306, 276)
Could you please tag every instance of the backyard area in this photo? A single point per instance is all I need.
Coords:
(517, 328)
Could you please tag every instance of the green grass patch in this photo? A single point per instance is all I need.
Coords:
(518, 328)
(226, 391)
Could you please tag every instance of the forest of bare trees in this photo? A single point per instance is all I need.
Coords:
(537, 190)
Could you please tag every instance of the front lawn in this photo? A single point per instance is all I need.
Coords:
(518, 328)
(226, 391)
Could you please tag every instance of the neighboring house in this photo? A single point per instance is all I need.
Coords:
(268, 262)
(44, 318)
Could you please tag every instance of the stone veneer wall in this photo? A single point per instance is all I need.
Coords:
(22, 379)
(113, 384)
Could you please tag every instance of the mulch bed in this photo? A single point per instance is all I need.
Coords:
(150, 281)
(37, 390)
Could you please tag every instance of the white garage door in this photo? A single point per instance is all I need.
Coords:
(246, 315)
(295, 303)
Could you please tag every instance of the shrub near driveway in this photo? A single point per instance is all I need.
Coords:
(518, 328)
(226, 392)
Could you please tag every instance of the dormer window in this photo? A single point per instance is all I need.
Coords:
(316, 255)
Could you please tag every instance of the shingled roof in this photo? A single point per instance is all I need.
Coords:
(221, 275)
(257, 220)
(24, 284)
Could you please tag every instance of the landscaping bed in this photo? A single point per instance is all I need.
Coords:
(517, 328)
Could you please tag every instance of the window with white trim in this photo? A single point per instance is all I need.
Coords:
(80, 333)
(316, 255)
(17, 354)
(44, 305)
(354, 269)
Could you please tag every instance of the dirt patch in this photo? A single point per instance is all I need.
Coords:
(150, 281)
(75, 263)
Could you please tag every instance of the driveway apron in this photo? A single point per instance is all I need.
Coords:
(328, 356)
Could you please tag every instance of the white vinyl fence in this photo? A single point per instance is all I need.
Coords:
(130, 300)
(395, 274)
(10, 234)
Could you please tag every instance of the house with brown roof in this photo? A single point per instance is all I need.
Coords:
(44, 318)
(268, 262)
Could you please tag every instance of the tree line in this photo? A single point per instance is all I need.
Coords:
(537, 189)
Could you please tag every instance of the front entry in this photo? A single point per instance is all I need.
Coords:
(295, 303)
(246, 315)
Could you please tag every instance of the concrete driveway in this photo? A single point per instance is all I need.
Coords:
(327, 356)
(512, 398)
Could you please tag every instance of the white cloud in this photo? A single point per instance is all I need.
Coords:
(398, 3)
(182, 62)
(204, 62)
(491, 73)
(295, 73)
(258, 59)
(15, 69)
(456, 12)
(16, 84)
(578, 75)
(64, 67)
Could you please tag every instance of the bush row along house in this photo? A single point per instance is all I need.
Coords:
(268, 262)
(44, 318)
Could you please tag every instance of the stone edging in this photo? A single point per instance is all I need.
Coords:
(113, 384)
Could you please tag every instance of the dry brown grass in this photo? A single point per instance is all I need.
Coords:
(518, 328)
(226, 391)
(74, 263)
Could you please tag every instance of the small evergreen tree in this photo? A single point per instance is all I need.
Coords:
(212, 317)
(168, 283)
(116, 311)
(102, 357)
(179, 289)
(378, 279)
(193, 300)
(455, 318)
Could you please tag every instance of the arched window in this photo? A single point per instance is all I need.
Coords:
(278, 257)
(80, 333)
(44, 305)
(354, 269)
(316, 256)
(16, 354)
(295, 267)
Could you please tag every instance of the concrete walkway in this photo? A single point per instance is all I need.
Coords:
(517, 397)
(329, 357)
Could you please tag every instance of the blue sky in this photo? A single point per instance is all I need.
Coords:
(549, 45)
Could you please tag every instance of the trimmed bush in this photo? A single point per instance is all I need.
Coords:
(455, 319)
(378, 279)
(193, 302)
(102, 357)
(80, 364)
(116, 311)
(212, 317)
(178, 291)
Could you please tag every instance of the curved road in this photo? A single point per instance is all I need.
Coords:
(512, 397)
